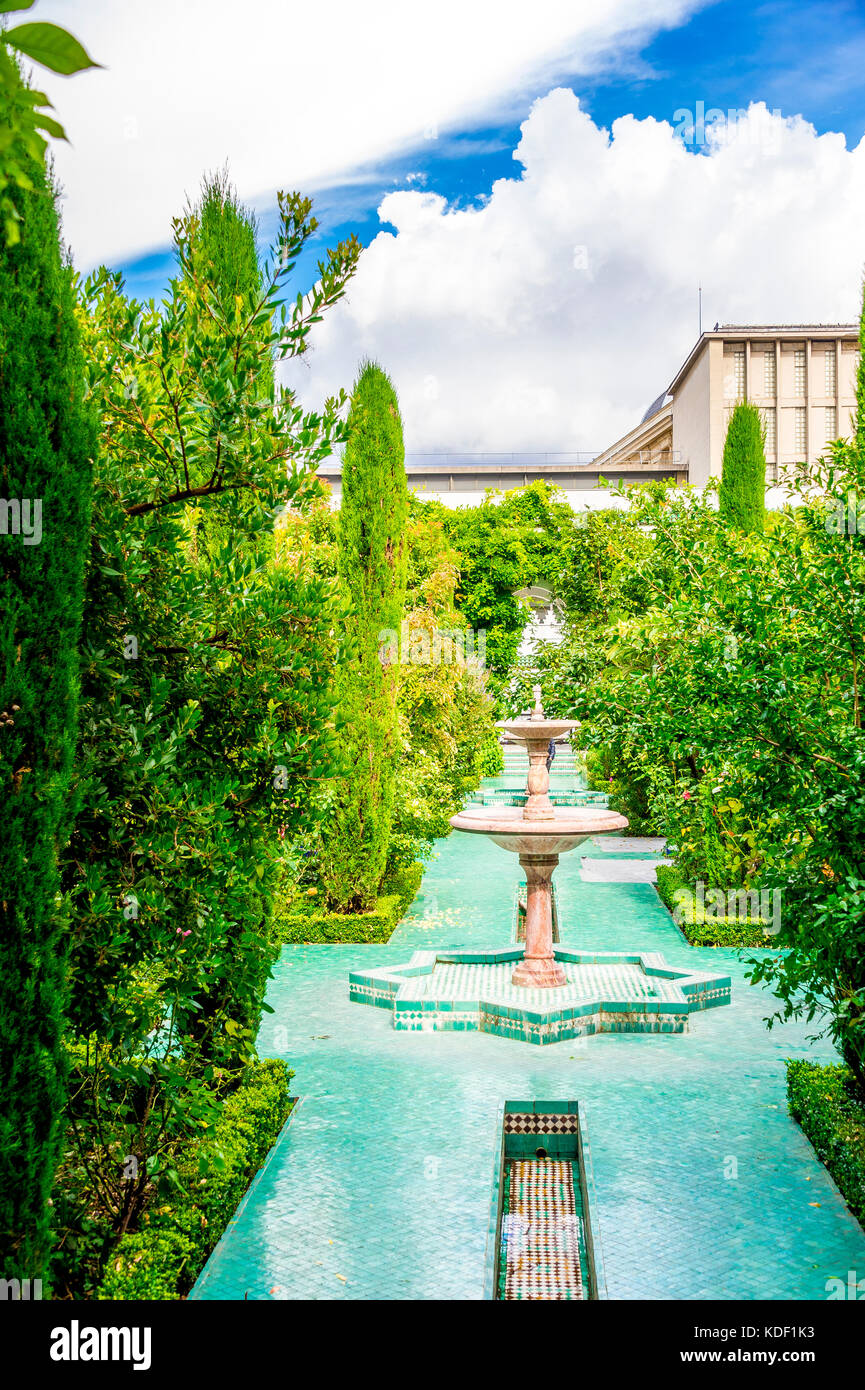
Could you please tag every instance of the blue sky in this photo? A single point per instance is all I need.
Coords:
(801, 57)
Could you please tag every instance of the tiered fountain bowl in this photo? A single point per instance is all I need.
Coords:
(538, 832)
(561, 992)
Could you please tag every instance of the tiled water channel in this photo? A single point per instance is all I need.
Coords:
(540, 1250)
(544, 1244)
(380, 1185)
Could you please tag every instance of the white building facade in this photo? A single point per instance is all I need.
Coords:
(802, 378)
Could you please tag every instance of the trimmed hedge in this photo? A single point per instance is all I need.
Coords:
(701, 930)
(163, 1259)
(822, 1100)
(302, 921)
(405, 883)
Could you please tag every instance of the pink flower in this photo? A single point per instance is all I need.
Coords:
(184, 933)
(686, 796)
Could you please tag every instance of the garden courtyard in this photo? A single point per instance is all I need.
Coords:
(399, 898)
(380, 1185)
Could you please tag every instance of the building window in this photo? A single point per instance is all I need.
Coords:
(768, 415)
(739, 374)
(831, 423)
(800, 431)
(831, 374)
(799, 372)
(770, 381)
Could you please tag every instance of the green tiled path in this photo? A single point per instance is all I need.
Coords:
(379, 1187)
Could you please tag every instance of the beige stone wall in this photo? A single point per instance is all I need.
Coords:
(691, 423)
(807, 388)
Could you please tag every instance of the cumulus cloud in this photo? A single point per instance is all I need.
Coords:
(292, 96)
(549, 317)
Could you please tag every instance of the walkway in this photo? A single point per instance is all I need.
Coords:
(379, 1187)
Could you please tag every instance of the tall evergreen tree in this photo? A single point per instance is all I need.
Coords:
(372, 566)
(223, 252)
(223, 255)
(742, 501)
(46, 446)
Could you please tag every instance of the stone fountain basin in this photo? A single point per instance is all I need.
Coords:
(537, 728)
(568, 827)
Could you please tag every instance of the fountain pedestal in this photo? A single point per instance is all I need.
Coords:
(538, 833)
(539, 967)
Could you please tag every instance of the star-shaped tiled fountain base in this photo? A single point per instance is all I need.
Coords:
(606, 992)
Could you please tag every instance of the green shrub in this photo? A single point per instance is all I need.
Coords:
(700, 929)
(148, 1264)
(742, 498)
(316, 927)
(491, 759)
(823, 1100)
(626, 789)
(404, 883)
(165, 1257)
(300, 918)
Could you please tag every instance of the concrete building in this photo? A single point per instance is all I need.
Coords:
(802, 378)
(460, 480)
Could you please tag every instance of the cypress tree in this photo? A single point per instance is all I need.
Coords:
(224, 255)
(46, 445)
(224, 252)
(742, 501)
(372, 568)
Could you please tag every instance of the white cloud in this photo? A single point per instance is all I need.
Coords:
(293, 95)
(551, 316)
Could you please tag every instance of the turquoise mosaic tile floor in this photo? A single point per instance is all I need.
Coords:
(379, 1186)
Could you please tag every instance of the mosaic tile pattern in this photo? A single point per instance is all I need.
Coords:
(606, 992)
(541, 1232)
(455, 980)
(530, 1122)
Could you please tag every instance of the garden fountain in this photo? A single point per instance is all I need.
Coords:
(543, 992)
(538, 832)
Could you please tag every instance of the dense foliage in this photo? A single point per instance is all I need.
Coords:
(163, 1259)
(205, 708)
(737, 695)
(510, 542)
(445, 739)
(47, 440)
(372, 571)
(444, 710)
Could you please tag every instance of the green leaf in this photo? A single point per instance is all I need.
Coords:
(53, 127)
(51, 46)
(6, 7)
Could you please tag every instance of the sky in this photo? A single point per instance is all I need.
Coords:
(540, 189)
